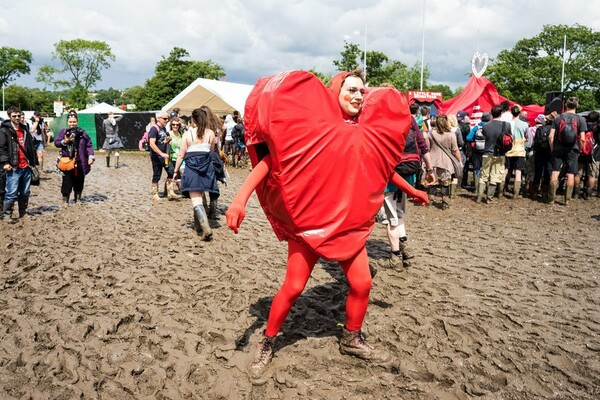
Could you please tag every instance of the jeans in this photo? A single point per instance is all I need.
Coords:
(18, 182)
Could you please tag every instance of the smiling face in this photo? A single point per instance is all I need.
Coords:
(351, 95)
(72, 122)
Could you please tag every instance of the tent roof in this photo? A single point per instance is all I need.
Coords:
(221, 97)
(101, 108)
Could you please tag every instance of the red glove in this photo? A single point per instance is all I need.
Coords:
(235, 213)
(419, 196)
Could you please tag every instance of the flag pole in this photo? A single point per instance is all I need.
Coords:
(422, 46)
(562, 79)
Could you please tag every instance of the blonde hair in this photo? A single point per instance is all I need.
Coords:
(442, 123)
(453, 121)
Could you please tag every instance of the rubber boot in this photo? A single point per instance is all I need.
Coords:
(7, 209)
(500, 190)
(263, 356)
(155, 195)
(476, 183)
(452, 192)
(533, 191)
(212, 210)
(201, 223)
(76, 197)
(568, 194)
(576, 192)
(552, 192)
(353, 343)
(23, 203)
(171, 195)
(107, 162)
(545, 193)
(587, 193)
(517, 190)
(491, 190)
(480, 191)
(406, 250)
(117, 161)
(66, 199)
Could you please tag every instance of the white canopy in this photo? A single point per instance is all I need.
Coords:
(101, 108)
(222, 97)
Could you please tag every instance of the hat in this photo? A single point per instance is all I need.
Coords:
(461, 115)
(540, 118)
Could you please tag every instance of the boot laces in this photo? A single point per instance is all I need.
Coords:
(266, 349)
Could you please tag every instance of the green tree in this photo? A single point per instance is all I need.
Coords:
(534, 66)
(13, 63)
(82, 61)
(447, 93)
(380, 68)
(171, 76)
(30, 99)
(323, 77)
(109, 96)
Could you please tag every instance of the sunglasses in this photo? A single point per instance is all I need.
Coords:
(175, 124)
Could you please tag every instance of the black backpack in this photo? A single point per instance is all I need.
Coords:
(567, 129)
(410, 162)
(540, 141)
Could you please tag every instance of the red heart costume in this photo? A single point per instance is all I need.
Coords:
(328, 175)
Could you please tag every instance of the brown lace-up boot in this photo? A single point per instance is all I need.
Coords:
(262, 359)
(406, 250)
(353, 343)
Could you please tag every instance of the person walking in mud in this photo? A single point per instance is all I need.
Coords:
(337, 232)
(113, 140)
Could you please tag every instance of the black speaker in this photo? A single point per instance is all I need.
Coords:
(554, 102)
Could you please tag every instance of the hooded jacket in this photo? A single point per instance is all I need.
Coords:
(9, 145)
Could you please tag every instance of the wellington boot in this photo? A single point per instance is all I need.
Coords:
(545, 193)
(212, 210)
(394, 262)
(201, 223)
(453, 189)
(107, 162)
(480, 191)
(262, 358)
(66, 199)
(576, 192)
(491, 190)
(117, 162)
(552, 192)
(476, 183)
(170, 188)
(76, 197)
(500, 193)
(23, 203)
(568, 194)
(533, 191)
(353, 343)
(7, 209)
(406, 250)
(517, 190)
(155, 195)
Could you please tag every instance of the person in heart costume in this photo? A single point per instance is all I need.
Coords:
(320, 180)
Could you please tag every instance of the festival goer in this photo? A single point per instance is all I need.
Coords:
(158, 140)
(174, 148)
(505, 115)
(17, 153)
(566, 149)
(588, 166)
(477, 141)
(113, 140)
(492, 169)
(464, 124)
(515, 157)
(305, 247)
(38, 132)
(75, 143)
(199, 177)
(441, 136)
(455, 128)
(228, 126)
(214, 123)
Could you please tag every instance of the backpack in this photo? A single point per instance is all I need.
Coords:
(588, 144)
(479, 139)
(505, 140)
(567, 129)
(410, 162)
(237, 134)
(540, 141)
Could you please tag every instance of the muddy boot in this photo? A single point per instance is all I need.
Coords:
(212, 210)
(23, 203)
(452, 191)
(394, 262)
(171, 195)
(552, 192)
(107, 162)
(155, 195)
(117, 160)
(353, 343)
(576, 192)
(545, 192)
(480, 191)
(201, 223)
(587, 193)
(476, 183)
(405, 249)
(262, 359)
(491, 190)
(500, 193)
(533, 191)
(7, 209)
(76, 197)
(372, 271)
(568, 194)
(517, 190)
(66, 199)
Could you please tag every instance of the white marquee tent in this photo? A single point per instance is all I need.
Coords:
(101, 108)
(222, 97)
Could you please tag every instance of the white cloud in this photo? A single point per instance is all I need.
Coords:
(260, 37)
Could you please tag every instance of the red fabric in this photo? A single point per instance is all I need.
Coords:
(481, 92)
(328, 176)
(22, 160)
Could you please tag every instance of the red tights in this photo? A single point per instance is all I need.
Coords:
(301, 262)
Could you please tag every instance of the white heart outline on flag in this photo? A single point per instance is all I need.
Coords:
(479, 64)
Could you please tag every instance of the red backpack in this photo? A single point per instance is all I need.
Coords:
(588, 144)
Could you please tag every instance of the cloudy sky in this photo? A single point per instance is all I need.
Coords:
(254, 38)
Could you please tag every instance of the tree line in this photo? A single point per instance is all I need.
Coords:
(523, 74)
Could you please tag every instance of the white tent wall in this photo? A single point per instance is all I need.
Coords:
(222, 97)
